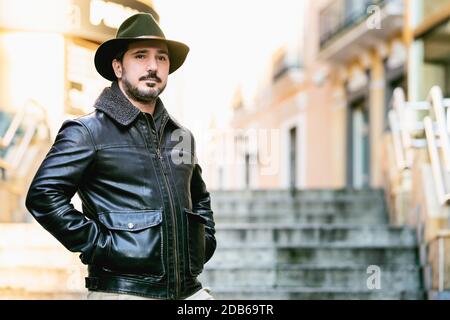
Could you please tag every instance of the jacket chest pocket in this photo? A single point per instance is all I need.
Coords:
(196, 241)
(135, 242)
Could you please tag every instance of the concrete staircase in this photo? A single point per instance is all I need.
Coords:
(33, 265)
(323, 244)
(271, 245)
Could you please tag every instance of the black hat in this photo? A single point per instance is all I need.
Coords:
(141, 26)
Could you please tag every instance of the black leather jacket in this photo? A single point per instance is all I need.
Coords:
(147, 227)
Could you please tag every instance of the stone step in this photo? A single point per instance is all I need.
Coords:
(21, 294)
(34, 265)
(392, 277)
(43, 280)
(29, 235)
(322, 255)
(288, 234)
(50, 257)
(302, 196)
(271, 199)
(300, 217)
(438, 295)
(282, 293)
(262, 208)
(299, 195)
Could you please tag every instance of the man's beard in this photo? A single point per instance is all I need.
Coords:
(140, 95)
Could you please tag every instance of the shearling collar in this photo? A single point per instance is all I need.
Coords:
(114, 103)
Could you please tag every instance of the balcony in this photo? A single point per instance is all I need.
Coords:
(286, 61)
(347, 26)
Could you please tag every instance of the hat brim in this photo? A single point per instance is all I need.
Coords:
(106, 53)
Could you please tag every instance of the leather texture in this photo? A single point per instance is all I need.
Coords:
(147, 227)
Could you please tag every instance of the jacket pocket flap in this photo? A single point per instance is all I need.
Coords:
(195, 216)
(131, 220)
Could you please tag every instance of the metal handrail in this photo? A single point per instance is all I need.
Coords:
(436, 99)
(402, 136)
(437, 134)
(438, 103)
(5, 165)
(436, 167)
(6, 140)
(397, 140)
(440, 107)
(402, 129)
(403, 142)
(25, 142)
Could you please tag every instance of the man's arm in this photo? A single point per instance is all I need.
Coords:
(201, 204)
(54, 185)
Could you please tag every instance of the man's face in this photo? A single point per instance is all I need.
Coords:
(144, 70)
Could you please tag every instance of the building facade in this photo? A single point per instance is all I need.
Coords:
(47, 75)
(327, 107)
(261, 142)
(354, 65)
(49, 57)
(429, 48)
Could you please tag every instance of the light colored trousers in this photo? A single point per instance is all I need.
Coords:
(202, 294)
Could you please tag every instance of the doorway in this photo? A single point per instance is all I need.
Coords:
(293, 158)
(358, 140)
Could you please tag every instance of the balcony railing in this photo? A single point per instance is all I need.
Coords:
(284, 69)
(341, 15)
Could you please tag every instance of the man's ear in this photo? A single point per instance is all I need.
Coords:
(117, 67)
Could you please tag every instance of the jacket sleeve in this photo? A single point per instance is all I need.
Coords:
(201, 204)
(55, 183)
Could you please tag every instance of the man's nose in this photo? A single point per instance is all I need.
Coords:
(152, 64)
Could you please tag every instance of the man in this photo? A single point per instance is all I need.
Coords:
(147, 227)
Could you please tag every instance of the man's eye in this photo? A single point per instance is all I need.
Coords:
(140, 56)
(162, 58)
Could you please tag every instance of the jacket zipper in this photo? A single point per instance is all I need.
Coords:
(158, 153)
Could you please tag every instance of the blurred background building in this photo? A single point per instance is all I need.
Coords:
(47, 66)
(324, 140)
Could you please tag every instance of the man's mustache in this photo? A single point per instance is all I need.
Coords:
(151, 76)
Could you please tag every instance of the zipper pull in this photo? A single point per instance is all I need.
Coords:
(158, 153)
